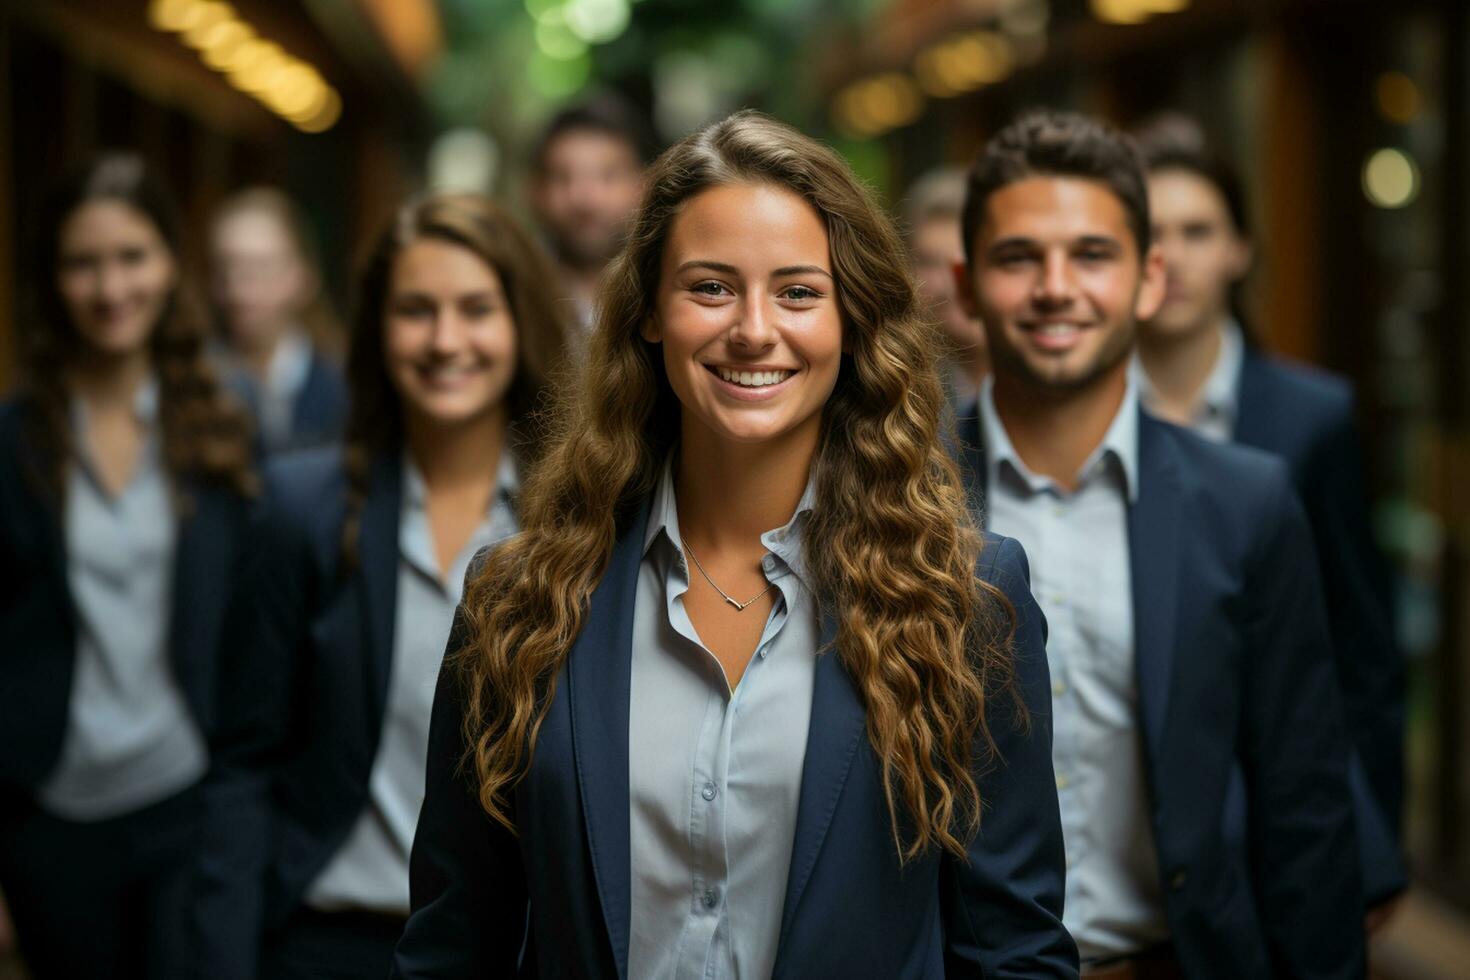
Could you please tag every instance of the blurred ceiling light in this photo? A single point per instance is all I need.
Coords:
(170, 15)
(878, 104)
(964, 63)
(1397, 97)
(224, 43)
(1134, 11)
(1390, 178)
(258, 67)
(597, 21)
(326, 117)
(286, 85)
(202, 18)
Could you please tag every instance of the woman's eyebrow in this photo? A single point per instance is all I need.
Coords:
(726, 269)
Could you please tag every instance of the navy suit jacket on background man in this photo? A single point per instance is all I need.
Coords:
(1306, 417)
(1238, 709)
(851, 910)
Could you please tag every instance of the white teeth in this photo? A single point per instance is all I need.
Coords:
(753, 379)
(1057, 329)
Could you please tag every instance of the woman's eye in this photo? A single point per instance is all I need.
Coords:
(708, 288)
(801, 294)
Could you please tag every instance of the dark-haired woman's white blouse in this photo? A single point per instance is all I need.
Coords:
(714, 775)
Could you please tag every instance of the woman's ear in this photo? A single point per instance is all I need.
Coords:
(652, 331)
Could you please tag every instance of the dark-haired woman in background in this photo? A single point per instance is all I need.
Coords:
(642, 762)
(279, 333)
(1202, 369)
(319, 769)
(123, 486)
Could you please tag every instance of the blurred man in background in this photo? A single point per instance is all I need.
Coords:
(587, 179)
(936, 248)
(1199, 367)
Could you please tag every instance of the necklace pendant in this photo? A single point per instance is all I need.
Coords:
(739, 606)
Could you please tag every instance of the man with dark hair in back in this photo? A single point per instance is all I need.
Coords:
(1200, 756)
(587, 179)
(1199, 367)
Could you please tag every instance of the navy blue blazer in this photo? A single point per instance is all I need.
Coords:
(850, 909)
(1305, 416)
(319, 416)
(38, 619)
(1245, 754)
(304, 685)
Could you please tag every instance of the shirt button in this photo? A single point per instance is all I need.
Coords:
(709, 791)
(1062, 781)
(768, 563)
(1059, 688)
(710, 898)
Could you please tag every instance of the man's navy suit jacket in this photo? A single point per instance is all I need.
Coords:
(38, 618)
(304, 687)
(1305, 416)
(1240, 716)
(562, 885)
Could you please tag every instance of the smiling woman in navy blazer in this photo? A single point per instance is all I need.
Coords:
(123, 505)
(350, 591)
(749, 696)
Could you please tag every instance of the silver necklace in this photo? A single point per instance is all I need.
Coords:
(739, 606)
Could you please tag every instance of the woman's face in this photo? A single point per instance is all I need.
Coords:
(115, 275)
(747, 314)
(449, 337)
(260, 281)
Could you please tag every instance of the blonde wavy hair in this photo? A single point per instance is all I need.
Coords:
(890, 543)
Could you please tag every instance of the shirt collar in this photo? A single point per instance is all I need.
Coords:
(1120, 442)
(145, 406)
(784, 542)
(415, 492)
(290, 363)
(1219, 397)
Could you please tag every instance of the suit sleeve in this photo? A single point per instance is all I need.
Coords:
(1356, 587)
(1003, 908)
(466, 881)
(265, 626)
(1295, 752)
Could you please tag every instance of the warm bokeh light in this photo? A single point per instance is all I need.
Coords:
(1134, 11)
(1391, 178)
(964, 63)
(878, 104)
(286, 85)
(1397, 97)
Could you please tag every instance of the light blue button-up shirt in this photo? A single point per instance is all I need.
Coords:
(131, 739)
(371, 869)
(1077, 543)
(714, 775)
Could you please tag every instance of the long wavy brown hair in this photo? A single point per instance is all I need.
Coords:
(475, 223)
(204, 435)
(890, 543)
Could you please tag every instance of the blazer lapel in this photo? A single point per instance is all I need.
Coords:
(1153, 547)
(837, 722)
(378, 579)
(202, 565)
(1254, 414)
(599, 676)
